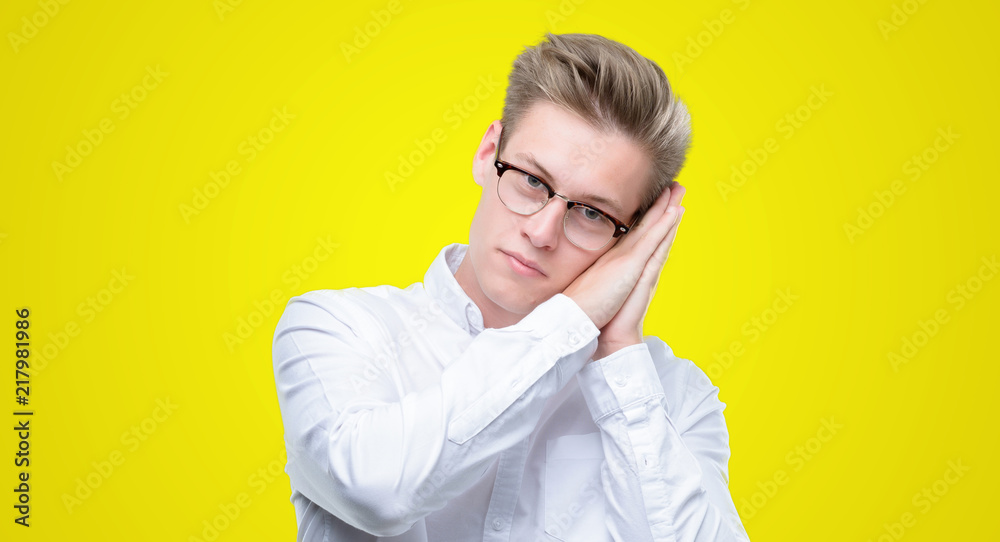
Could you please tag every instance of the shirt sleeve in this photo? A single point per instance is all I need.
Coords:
(380, 460)
(665, 474)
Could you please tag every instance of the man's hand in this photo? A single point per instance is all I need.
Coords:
(615, 291)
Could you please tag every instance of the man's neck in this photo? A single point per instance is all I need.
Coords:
(494, 316)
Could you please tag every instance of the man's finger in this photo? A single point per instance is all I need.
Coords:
(669, 198)
(662, 203)
(663, 249)
(654, 213)
(659, 229)
(677, 194)
(655, 223)
(656, 263)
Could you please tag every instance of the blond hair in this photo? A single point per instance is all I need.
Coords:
(611, 87)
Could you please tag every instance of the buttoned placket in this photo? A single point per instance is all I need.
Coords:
(474, 319)
(506, 488)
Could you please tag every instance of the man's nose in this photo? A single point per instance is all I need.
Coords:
(545, 227)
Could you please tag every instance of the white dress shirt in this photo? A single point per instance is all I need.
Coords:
(405, 420)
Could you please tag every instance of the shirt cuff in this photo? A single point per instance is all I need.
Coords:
(626, 377)
(561, 324)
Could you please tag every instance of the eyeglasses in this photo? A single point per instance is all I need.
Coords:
(525, 193)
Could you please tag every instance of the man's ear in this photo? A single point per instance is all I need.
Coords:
(482, 162)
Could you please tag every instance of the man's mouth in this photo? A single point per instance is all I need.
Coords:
(522, 265)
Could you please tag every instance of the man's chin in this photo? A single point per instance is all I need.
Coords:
(505, 297)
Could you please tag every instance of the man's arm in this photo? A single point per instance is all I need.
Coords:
(666, 447)
(380, 460)
(665, 472)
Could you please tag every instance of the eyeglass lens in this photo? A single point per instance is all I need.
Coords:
(526, 195)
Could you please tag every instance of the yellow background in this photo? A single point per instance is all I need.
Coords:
(194, 278)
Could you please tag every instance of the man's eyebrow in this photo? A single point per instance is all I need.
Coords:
(608, 204)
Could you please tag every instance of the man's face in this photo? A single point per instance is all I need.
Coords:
(576, 161)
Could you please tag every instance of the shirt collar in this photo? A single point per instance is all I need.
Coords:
(442, 286)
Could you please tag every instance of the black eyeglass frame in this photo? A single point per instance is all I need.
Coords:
(620, 227)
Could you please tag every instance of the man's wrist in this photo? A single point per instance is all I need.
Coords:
(606, 348)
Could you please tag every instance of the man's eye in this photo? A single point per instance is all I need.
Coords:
(534, 182)
(591, 214)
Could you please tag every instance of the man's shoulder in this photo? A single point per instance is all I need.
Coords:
(361, 296)
(357, 307)
(685, 384)
(668, 364)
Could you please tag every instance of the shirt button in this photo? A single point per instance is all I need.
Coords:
(621, 380)
(497, 524)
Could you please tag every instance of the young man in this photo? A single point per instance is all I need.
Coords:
(511, 395)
